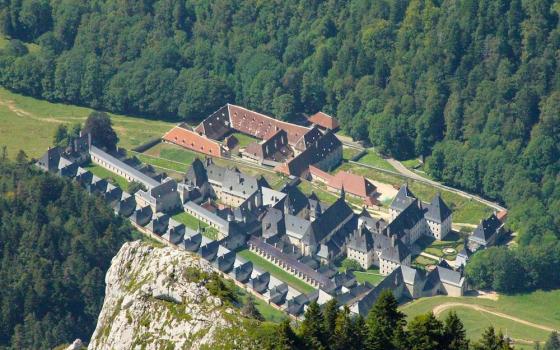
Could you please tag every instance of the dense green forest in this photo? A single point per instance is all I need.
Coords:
(56, 243)
(474, 85)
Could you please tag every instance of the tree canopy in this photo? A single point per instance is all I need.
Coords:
(56, 243)
(473, 85)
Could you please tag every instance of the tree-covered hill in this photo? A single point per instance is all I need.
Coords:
(474, 85)
(56, 243)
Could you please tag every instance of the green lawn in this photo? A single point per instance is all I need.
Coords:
(422, 261)
(536, 307)
(276, 271)
(161, 163)
(323, 195)
(192, 222)
(348, 153)
(436, 247)
(244, 140)
(411, 163)
(374, 159)
(108, 175)
(372, 276)
(29, 124)
(267, 311)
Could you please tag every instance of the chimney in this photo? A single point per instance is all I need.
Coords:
(392, 240)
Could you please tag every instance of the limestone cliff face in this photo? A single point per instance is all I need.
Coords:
(152, 303)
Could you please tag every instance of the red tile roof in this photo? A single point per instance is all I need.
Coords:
(262, 126)
(324, 120)
(193, 141)
(353, 184)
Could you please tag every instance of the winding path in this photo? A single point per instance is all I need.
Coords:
(443, 307)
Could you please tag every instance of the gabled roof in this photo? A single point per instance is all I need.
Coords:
(295, 201)
(262, 126)
(391, 282)
(278, 294)
(315, 153)
(308, 139)
(186, 138)
(324, 120)
(243, 271)
(331, 218)
(352, 183)
(403, 198)
(137, 175)
(406, 220)
(196, 174)
(396, 253)
(361, 240)
(486, 229)
(437, 210)
(411, 275)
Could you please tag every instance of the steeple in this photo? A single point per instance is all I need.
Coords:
(342, 193)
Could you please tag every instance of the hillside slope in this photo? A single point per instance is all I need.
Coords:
(153, 300)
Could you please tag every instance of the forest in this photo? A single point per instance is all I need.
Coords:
(56, 244)
(473, 86)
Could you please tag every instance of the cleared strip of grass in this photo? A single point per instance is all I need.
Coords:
(276, 271)
(374, 159)
(192, 222)
(108, 175)
(371, 276)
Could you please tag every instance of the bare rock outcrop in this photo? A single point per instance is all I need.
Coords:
(152, 302)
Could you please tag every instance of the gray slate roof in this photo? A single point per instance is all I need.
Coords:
(486, 229)
(361, 240)
(403, 198)
(438, 211)
(132, 172)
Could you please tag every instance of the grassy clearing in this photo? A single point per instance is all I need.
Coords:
(108, 175)
(276, 271)
(192, 222)
(533, 307)
(267, 311)
(244, 140)
(374, 159)
(29, 124)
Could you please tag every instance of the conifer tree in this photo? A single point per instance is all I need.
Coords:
(455, 336)
(330, 315)
(312, 327)
(382, 321)
(553, 342)
(425, 332)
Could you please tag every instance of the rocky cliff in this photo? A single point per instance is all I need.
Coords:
(155, 299)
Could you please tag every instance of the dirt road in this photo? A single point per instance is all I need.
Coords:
(443, 307)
